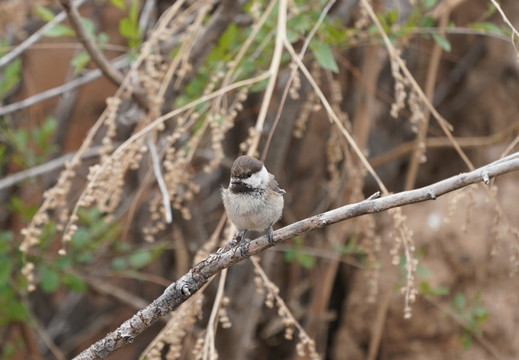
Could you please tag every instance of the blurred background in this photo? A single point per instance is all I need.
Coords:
(84, 239)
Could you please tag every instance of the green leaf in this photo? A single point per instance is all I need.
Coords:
(74, 283)
(12, 76)
(324, 56)
(89, 26)
(427, 21)
(300, 23)
(307, 261)
(13, 310)
(290, 255)
(49, 279)
(59, 30)
(425, 288)
(120, 4)
(44, 13)
(140, 258)
(80, 61)
(459, 302)
(292, 36)
(118, 264)
(229, 37)
(6, 265)
(466, 340)
(126, 28)
(442, 41)
(428, 4)
(487, 27)
(480, 312)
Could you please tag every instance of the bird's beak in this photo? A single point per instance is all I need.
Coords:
(235, 181)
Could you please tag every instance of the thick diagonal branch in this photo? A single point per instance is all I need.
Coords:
(190, 283)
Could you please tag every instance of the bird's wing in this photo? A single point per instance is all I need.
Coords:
(275, 186)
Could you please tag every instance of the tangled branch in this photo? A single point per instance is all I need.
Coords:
(182, 289)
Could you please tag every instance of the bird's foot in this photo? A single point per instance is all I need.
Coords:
(243, 242)
(270, 236)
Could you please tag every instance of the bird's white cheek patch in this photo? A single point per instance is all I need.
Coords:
(259, 179)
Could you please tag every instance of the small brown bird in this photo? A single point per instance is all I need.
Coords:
(253, 201)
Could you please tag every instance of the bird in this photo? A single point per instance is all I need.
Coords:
(253, 201)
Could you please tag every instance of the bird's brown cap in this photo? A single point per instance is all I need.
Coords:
(244, 166)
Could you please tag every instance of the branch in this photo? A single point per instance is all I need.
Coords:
(58, 90)
(190, 283)
(96, 54)
(27, 43)
(54, 164)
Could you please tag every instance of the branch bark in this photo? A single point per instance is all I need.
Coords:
(190, 283)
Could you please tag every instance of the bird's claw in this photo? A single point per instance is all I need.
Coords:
(270, 236)
(243, 251)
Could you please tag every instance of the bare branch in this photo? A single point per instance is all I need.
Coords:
(90, 46)
(96, 54)
(27, 43)
(160, 179)
(54, 164)
(58, 90)
(190, 283)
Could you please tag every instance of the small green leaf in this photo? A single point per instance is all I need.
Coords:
(74, 283)
(307, 261)
(118, 264)
(140, 258)
(81, 237)
(459, 302)
(300, 23)
(15, 310)
(466, 340)
(487, 27)
(44, 13)
(428, 4)
(426, 289)
(49, 279)
(89, 26)
(324, 56)
(480, 312)
(120, 4)
(59, 30)
(442, 41)
(290, 255)
(80, 61)
(292, 36)
(127, 28)
(228, 37)
(427, 21)
(6, 265)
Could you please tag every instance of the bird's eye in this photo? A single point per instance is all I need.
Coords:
(248, 175)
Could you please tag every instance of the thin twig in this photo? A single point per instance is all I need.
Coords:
(323, 14)
(181, 290)
(160, 179)
(89, 44)
(59, 90)
(7, 58)
(209, 351)
(96, 54)
(515, 33)
(423, 125)
(444, 124)
(54, 164)
(333, 116)
(273, 71)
